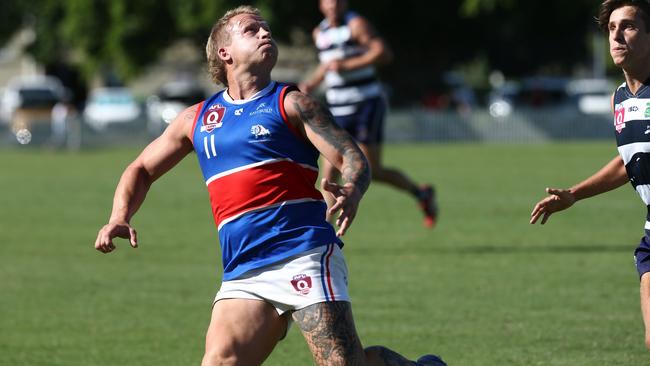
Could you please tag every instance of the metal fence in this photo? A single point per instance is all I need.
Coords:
(520, 126)
(534, 125)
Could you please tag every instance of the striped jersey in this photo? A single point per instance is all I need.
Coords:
(261, 176)
(632, 124)
(345, 89)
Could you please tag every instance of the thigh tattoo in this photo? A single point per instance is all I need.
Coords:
(329, 331)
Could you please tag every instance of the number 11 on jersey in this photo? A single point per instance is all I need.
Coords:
(213, 150)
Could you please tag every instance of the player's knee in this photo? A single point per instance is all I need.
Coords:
(647, 342)
(220, 355)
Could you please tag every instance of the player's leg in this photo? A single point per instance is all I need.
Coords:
(371, 120)
(425, 195)
(242, 332)
(329, 330)
(387, 175)
(642, 259)
(645, 306)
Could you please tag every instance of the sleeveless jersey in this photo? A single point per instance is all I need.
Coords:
(632, 124)
(345, 89)
(261, 179)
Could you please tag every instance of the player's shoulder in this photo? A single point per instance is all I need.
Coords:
(184, 123)
(190, 114)
(294, 95)
(299, 106)
(191, 111)
(293, 98)
(353, 18)
(360, 26)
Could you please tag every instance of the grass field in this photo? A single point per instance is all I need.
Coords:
(483, 288)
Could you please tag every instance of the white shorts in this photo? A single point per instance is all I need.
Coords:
(318, 275)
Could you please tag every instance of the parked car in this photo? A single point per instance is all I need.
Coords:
(170, 100)
(533, 92)
(112, 105)
(27, 102)
(592, 96)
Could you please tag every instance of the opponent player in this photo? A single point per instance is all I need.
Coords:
(628, 24)
(349, 48)
(257, 143)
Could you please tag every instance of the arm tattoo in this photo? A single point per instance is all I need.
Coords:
(192, 113)
(355, 166)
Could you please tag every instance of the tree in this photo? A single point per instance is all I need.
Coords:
(428, 38)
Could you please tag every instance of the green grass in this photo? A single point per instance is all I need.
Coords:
(483, 288)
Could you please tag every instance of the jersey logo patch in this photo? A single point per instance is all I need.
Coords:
(260, 132)
(619, 117)
(212, 118)
(301, 283)
(262, 108)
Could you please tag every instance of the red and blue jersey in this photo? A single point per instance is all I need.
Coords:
(261, 177)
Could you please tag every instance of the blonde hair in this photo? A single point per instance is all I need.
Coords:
(219, 37)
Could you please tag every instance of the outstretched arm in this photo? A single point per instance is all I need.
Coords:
(318, 76)
(337, 146)
(376, 52)
(155, 160)
(611, 176)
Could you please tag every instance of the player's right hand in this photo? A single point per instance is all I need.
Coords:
(558, 200)
(104, 242)
(347, 198)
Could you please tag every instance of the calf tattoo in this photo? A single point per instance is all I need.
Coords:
(329, 331)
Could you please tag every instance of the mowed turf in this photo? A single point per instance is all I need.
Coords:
(483, 288)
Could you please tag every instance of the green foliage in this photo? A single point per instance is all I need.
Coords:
(11, 18)
(428, 38)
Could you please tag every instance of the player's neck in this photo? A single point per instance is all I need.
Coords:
(245, 86)
(635, 77)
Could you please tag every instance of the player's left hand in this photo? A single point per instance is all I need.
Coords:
(117, 229)
(347, 201)
(557, 200)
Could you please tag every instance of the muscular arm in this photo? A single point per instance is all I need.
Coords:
(611, 176)
(377, 51)
(155, 160)
(334, 143)
(337, 146)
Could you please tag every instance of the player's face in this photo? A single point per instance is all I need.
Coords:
(251, 41)
(333, 9)
(629, 41)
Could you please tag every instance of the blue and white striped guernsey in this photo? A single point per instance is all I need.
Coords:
(632, 124)
(345, 89)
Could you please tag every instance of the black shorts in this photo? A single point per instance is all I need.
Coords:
(366, 124)
(642, 256)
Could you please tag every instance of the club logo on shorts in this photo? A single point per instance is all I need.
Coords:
(619, 117)
(301, 283)
(213, 117)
